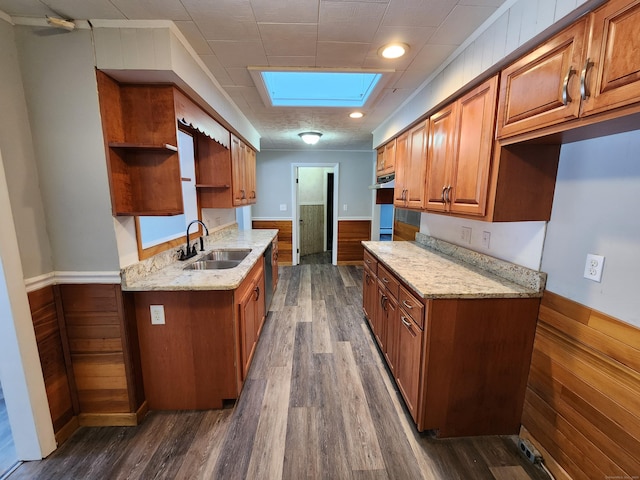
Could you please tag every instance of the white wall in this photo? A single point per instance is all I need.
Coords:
(595, 210)
(274, 181)
(20, 163)
(312, 191)
(62, 100)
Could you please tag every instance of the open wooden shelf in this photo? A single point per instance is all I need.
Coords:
(206, 185)
(137, 146)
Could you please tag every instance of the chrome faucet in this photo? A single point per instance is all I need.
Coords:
(193, 251)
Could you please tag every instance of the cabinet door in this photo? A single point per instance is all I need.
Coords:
(442, 127)
(237, 171)
(250, 175)
(408, 366)
(369, 293)
(274, 263)
(391, 321)
(415, 176)
(380, 161)
(542, 88)
(473, 148)
(613, 63)
(390, 157)
(248, 329)
(402, 160)
(379, 320)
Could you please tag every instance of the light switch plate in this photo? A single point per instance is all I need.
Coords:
(283, 207)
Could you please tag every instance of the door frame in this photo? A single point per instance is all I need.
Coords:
(295, 226)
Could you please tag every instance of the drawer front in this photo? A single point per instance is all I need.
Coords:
(370, 262)
(412, 307)
(388, 280)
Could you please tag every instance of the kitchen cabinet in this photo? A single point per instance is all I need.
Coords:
(386, 158)
(243, 173)
(411, 167)
(369, 287)
(250, 315)
(460, 149)
(274, 263)
(461, 364)
(589, 68)
(201, 354)
(140, 133)
(612, 65)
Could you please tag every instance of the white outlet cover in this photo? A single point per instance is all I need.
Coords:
(157, 314)
(283, 207)
(593, 267)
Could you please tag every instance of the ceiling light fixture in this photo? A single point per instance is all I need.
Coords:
(310, 138)
(393, 50)
(356, 115)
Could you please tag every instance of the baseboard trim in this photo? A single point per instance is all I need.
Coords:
(558, 472)
(65, 432)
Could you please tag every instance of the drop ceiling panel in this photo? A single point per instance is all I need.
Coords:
(27, 8)
(341, 54)
(349, 21)
(219, 29)
(240, 53)
(425, 13)
(240, 76)
(193, 35)
(462, 19)
(152, 9)
(295, 61)
(286, 11)
(231, 10)
(102, 9)
(216, 68)
(289, 39)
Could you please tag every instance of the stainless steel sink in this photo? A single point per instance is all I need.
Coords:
(227, 255)
(219, 260)
(213, 264)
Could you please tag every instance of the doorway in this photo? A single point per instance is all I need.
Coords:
(314, 222)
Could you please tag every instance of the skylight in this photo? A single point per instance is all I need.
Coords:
(319, 89)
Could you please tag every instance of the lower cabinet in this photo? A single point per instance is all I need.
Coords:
(461, 365)
(200, 356)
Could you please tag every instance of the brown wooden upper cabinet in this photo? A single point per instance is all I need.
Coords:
(386, 159)
(459, 152)
(588, 68)
(243, 170)
(141, 135)
(411, 167)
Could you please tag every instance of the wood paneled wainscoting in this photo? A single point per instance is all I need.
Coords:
(350, 235)
(89, 356)
(582, 406)
(285, 237)
(404, 232)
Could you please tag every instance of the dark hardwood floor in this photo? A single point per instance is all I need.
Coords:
(322, 258)
(8, 457)
(318, 404)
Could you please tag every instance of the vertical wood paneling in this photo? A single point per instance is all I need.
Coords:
(581, 405)
(101, 356)
(58, 384)
(285, 237)
(350, 235)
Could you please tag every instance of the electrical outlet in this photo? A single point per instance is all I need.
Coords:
(157, 314)
(465, 234)
(593, 267)
(529, 451)
(486, 239)
(344, 207)
(283, 207)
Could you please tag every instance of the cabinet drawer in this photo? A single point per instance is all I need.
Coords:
(412, 306)
(370, 262)
(388, 280)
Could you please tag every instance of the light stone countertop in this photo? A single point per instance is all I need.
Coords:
(433, 274)
(170, 275)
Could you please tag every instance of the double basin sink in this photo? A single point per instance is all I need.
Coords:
(219, 260)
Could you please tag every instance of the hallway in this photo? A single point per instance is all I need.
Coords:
(318, 403)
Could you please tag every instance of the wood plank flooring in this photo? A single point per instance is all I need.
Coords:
(318, 404)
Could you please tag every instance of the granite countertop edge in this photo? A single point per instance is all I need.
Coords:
(458, 272)
(165, 273)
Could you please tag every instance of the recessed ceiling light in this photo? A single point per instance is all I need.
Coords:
(393, 50)
(356, 114)
(310, 138)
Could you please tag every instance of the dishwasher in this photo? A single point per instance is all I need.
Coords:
(268, 277)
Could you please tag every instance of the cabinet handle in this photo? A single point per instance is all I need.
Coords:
(253, 194)
(368, 261)
(444, 189)
(243, 194)
(383, 300)
(404, 302)
(583, 79)
(385, 279)
(449, 194)
(257, 290)
(406, 322)
(405, 194)
(368, 279)
(566, 99)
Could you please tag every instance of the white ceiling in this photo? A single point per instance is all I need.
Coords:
(231, 35)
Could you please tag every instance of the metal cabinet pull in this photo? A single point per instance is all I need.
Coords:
(566, 99)
(448, 192)
(385, 279)
(404, 302)
(257, 290)
(444, 189)
(406, 322)
(583, 79)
